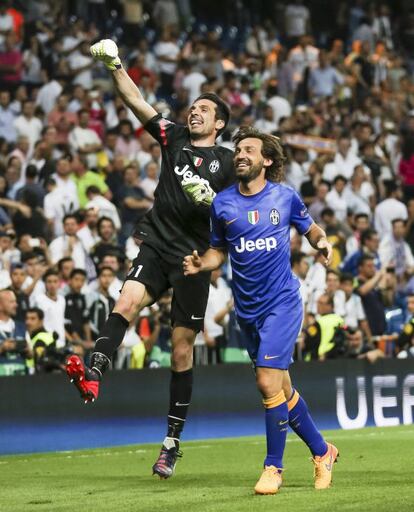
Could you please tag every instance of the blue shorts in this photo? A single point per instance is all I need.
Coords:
(270, 340)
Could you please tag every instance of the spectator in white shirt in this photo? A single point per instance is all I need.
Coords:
(281, 106)
(360, 192)
(150, 182)
(302, 56)
(337, 198)
(297, 19)
(48, 93)
(111, 261)
(126, 145)
(332, 288)
(102, 206)
(324, 79)
(167, 53)
(389, 209)
(298, 168)
(7, 117)
(27, 124)
(88, 234)
(354, 316)
(81, 64)
(192, 81)
(6, 22)
(266, 123)
(216, 317)
(68, 244)
(344, 162)
(64, 181)
(300, 267)
(84, 140)
(395, 252)
(53, 306)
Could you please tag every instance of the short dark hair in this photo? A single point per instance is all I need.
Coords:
(70, 216)
(37, 311)
(390, 187)
(102, 269)
(26, 256)
(330, 298)
(327, 211)
(399, 220)
(361, 215)
(31, 171)
(61, 262)
(222, 109)
(332, 271)
(367, 234)
(50, 272)
(76, 272)
(102, 220)
(340, 177)
(271, 149)
(346, 277)
(364, 258)
(296, 257)
(92, 189)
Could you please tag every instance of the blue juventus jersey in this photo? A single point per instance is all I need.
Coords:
(255, 232)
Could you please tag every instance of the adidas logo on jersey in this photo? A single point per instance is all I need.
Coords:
(261, 244)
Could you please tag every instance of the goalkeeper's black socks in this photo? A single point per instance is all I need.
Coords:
(109, 339)
(181, 387)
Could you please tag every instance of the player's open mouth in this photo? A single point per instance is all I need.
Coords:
(196, 122)
(242, 165)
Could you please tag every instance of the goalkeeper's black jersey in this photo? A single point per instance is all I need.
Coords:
(176, 226)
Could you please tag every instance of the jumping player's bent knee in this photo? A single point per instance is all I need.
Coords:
(182, 349)
(133, 298)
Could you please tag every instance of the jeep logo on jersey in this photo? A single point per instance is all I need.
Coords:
(274, 217)
(253, 216)
(214, 166)
(261, 244)
(185, 172)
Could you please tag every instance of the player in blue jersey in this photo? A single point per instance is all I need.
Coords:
(251, 222)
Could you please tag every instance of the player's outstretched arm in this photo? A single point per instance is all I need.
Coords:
(210, 260)
(106, 51)
(317, 238)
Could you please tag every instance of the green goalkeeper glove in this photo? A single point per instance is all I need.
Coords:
(106, 51)
(198, 190)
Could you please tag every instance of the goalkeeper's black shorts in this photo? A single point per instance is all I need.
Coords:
(190, 293)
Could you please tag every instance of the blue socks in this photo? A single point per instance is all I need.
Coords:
(277, 419)
(300, 421)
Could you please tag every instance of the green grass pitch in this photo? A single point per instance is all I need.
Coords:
(375, 472)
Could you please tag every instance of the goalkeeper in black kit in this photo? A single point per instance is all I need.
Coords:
(193, 170)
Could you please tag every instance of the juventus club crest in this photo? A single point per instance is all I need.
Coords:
(274, 217)
(253, 216)
(214, 166)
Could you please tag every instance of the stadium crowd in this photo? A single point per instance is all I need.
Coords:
(77, 170)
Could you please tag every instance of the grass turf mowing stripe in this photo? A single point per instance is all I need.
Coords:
(374, 473)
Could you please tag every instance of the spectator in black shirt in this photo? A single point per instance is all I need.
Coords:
(35, 188)
(375, 287)
(31, 220)
(18, 276)
(134, 203)
(107, 243)
(78, 332)
(101, 303)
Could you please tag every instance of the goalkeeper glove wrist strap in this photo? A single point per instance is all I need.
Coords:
(114, 65)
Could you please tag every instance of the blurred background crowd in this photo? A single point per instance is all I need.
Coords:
(334, 80)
